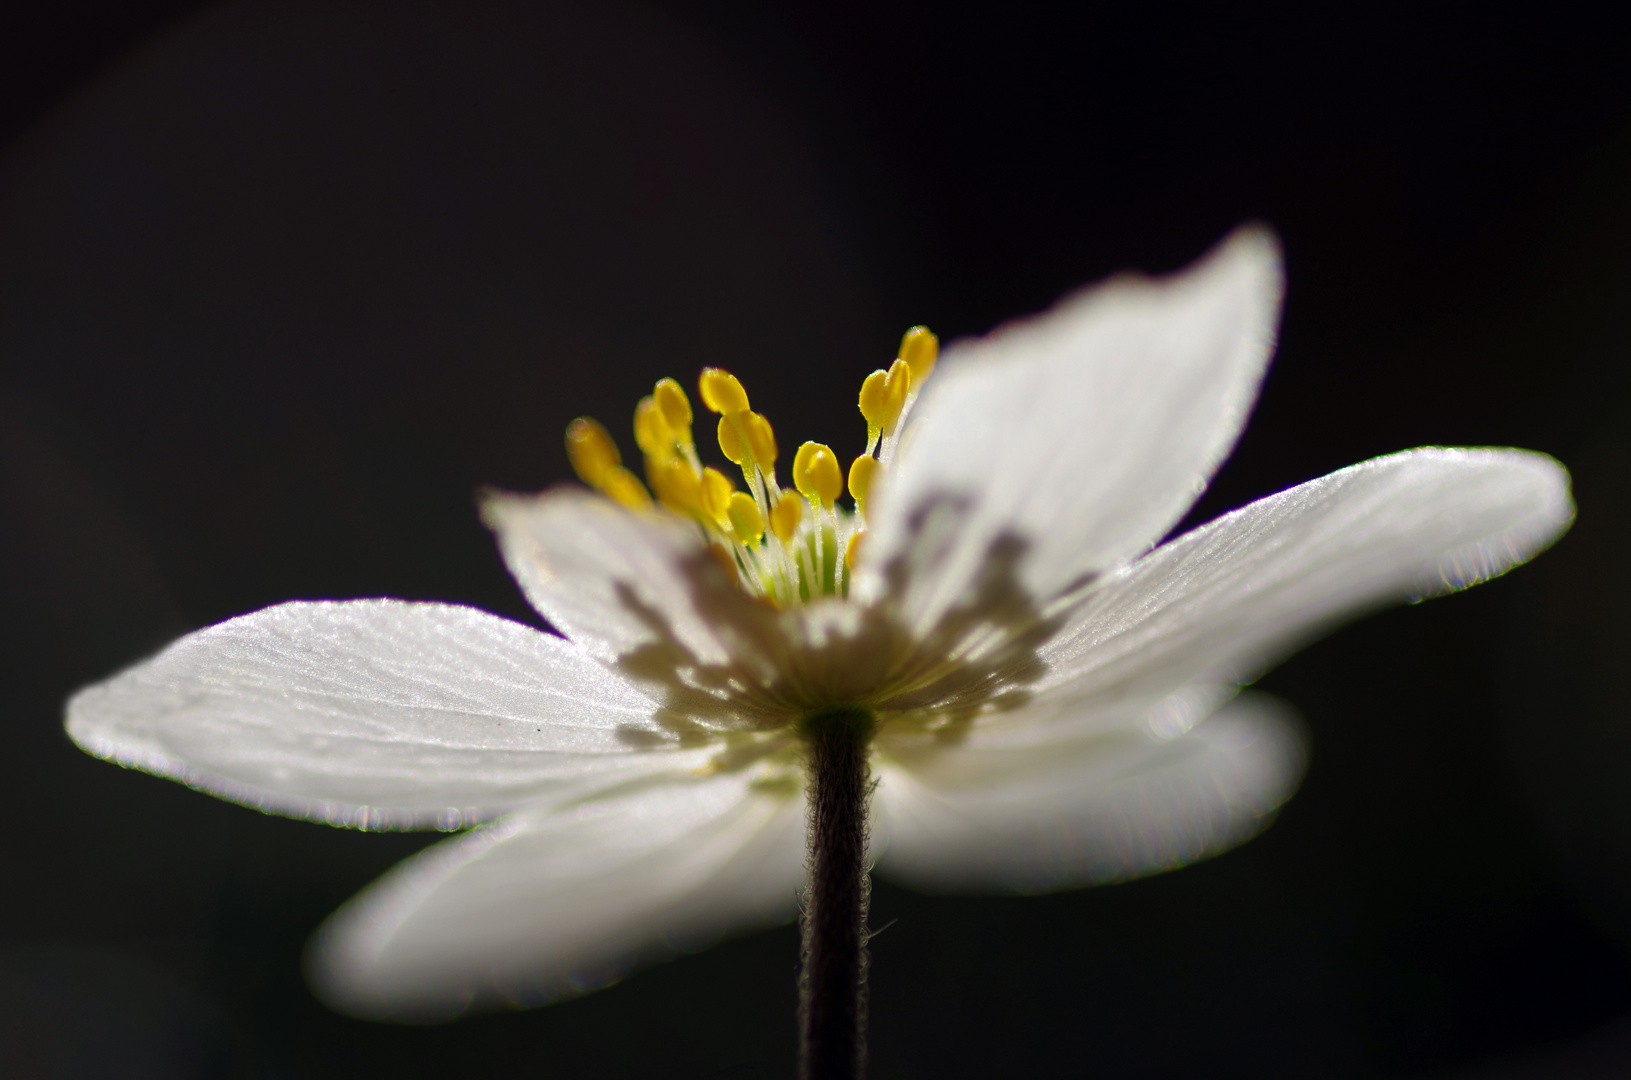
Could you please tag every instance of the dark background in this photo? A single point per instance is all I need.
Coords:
(282, 284)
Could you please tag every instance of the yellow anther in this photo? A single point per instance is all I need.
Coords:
(716, 491)
(675, 484)
(883, 395)
(762, 439)
(731, 443)
(900, 380)
(745, 518)
(920, 349)
(874, 398)
(675, 405)
(815, 473)
(784, 519)
(625, 487)
(652, 430)
(721, 392)
(861, 471)
(591, 451)
(852, 550)
(759, 447)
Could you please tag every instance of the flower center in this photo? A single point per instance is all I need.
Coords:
(785, 547)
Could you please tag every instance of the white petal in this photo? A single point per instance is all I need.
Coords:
(374, 713)
(643, 593)
(1092, 810)
(1081, 435)
(545, 904)
(1224, 601)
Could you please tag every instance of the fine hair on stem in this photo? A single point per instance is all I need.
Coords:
(833, 968)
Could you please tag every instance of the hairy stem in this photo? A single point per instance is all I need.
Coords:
(832, 981)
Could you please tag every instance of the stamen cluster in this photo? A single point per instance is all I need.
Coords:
(783, 547)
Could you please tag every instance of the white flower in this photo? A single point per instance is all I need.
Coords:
(1057, 702)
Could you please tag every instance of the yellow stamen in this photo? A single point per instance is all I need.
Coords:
(625, 487)
(721, 392)
(716, 495)
(883, 395)
(816, 475)
(591, 450)
(675, 484)
(652, 431)
(675, 405)
(745, 519)
(784, 519)
(731, 442)
(920, 349)
(861, 472)
(762, 438)
(595, 458)
(746, 439)
(774, 546)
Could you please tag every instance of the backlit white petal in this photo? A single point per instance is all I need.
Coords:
(1081, 435)
(548, 903)
(1100, 808)
(1223, 602)
(375, 713)
(641, 592)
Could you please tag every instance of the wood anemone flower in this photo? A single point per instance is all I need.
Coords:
(987, 644)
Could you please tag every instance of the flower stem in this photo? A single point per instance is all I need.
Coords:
(832, 982)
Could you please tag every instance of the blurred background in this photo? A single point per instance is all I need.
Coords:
(282, 284)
